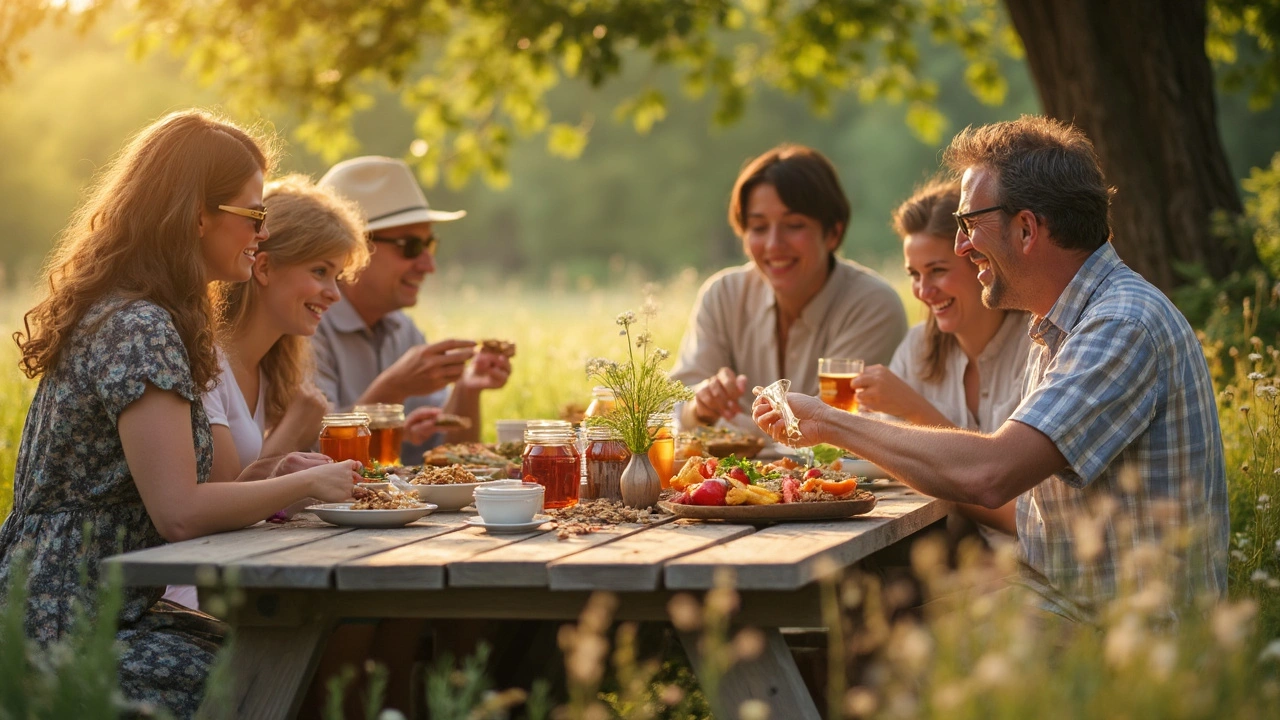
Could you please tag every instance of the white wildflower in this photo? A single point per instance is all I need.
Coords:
(1237, 555)
(644, 339)
(1264, 501)
(993, 670)
(1255, 357)
(626, 319)
(1278, 547)
(1260, 576)
(1123, 640)
(1269, 391)
(860, 702)
(1270, 652)
(661, 354)
(1232, 623)
(1257, 376)
(1163, 659)
(753, 710)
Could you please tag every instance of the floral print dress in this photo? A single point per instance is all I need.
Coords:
(75, 502)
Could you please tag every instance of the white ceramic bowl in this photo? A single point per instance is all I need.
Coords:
(450, 498)
(509, 502)
(510, 430)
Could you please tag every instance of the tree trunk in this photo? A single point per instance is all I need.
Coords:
(1133, 75)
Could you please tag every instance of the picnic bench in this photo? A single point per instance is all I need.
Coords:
(299, 578)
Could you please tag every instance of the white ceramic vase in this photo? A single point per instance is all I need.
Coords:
(640, 483)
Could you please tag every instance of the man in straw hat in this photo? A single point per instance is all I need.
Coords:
(367, 348)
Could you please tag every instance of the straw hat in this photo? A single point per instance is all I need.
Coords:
(386, 190)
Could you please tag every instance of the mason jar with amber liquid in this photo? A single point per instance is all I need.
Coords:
(662, 454)
(345, 436)
(602, 401)
(607, 457)
(386, 431)
(551, 459)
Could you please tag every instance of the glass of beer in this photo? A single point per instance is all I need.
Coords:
(835, 380)
(386, 431)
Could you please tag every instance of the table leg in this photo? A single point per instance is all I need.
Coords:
(271, 667)
(773, 677)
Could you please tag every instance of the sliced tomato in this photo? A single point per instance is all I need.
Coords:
(708, 468)
(740, 475)
(813, 473)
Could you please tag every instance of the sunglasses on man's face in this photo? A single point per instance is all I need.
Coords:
(258, 216)
(411, 246)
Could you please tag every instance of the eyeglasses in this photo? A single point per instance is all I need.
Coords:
(962, 219)
(258, 216)
(410, 246)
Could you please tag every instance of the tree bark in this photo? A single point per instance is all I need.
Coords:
(1133, 75)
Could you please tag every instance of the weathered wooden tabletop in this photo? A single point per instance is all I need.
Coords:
(300, 577)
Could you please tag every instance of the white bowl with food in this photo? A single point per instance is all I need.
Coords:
(509, 502)
(450, 488)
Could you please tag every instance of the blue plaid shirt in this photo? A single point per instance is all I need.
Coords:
(1117, 380)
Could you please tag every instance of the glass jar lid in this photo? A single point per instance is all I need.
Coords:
(662, 420)
(549, 435)
(602, 432)
(347, 419)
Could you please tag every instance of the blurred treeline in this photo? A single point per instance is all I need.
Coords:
(654, 202)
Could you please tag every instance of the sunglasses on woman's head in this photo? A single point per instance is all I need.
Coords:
(258, 216)
(411, 246)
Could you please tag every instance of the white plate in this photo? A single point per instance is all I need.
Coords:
(538, 521)
(342, 514)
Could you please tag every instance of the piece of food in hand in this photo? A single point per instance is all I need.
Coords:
(709, 492)
(449, 420)
(690, 474)
(504, 348)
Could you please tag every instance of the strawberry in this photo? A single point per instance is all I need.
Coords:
(740, 475)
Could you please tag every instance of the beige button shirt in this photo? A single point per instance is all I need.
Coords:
(734, 324)
(1001, 366)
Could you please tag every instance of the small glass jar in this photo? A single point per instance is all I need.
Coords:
(345, 436)
(663, 451)
(602, 401)
(551, 459)
(386, 428)
(607, 457)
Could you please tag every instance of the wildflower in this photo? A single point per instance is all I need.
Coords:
(1264, 501)
(950, 697)
(685, 613)
(1260, 576)
(626, 319)
(860, 702)
(1269, 390)
(1255, 357)
(644, 339)
(1089, 540)
(1244, 410)
(1278, 547)
(1270, 652)
(391, 714)
(1163, 659)
(993, 670)
(753, 710)
(1257, 376)
(1232, 623)
(1123, 640)
(912, 648)
(1239, 556)
(748, 644)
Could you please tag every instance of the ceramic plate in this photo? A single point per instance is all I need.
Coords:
(537, 522)
(449, 498)
(342, 514)
(782, 512)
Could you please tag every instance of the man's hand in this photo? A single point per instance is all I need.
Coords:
(425, 369)
(488, 371)
(717, 396)
(420, 424)
(810, 411)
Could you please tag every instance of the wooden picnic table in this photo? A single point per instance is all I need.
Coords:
(299, 578)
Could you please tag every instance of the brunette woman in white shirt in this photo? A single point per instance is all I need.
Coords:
(963, 366)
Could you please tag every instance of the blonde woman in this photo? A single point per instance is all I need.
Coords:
(963, 366)
(267, 367)
(116, 449)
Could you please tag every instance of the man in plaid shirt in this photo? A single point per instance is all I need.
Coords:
(1115, 450)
